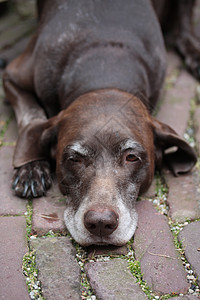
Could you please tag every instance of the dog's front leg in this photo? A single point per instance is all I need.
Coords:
(32, 177)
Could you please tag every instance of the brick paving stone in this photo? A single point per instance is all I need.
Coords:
(190, 239)
(8, 21)
(175, 109)
(59, 271)
(9, 204)
(12, 249)
(112, 280)
(185, 297)
(183, 196)
(15, 33)
(16, 49)
(5, 110)
(197, 125)
(173, 64)
(154, 248)
(95, 250)
(48, 212)
(11, 133)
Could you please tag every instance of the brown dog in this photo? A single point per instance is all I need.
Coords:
(82, 92)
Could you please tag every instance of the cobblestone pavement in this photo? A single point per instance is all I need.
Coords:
(38, 259)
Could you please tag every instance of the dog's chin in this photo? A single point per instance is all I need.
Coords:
(94, 241)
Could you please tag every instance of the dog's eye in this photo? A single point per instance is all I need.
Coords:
(131, 158)
(75, 160)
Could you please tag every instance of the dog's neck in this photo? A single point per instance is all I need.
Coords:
(104, 68)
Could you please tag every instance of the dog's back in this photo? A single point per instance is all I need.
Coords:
(98, 44)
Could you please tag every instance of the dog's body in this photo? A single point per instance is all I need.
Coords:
(95, 46)
(82, 92)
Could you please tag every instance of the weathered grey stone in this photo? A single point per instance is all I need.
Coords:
(112, 280)
(154, 248)
(59, 272)
(48, 212)
(184, 196)
(9, 203)
(190, 239)
(12, 249)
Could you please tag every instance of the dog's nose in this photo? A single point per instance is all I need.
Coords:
(101, 223)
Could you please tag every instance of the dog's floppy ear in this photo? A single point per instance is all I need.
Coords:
(36, 141)
(48, 139)
(172, 149)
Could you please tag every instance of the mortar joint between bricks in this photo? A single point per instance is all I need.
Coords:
(191, 275)
(29, 267)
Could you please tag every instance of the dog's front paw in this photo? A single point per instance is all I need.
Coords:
(32, 180)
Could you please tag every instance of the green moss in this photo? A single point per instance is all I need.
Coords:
(29, 260)
(135, 269)
(28, 214)
(30, 271)
(176, 228)
(191, 126)
(82, 259)
(160, 200)
(50, 233)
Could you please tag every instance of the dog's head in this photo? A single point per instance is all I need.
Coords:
(106, 148)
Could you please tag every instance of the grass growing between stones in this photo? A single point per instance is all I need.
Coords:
(82, 258)
(31, 273)
(189, 135)
(28, 214)
(160, 200)
(134, 266)
(50, 233)
(29, 268)
(135, 269)
(191, 277)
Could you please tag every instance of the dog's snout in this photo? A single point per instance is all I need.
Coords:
(101, 223)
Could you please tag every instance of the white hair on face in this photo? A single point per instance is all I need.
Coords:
(77, 147)
(128, 144)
